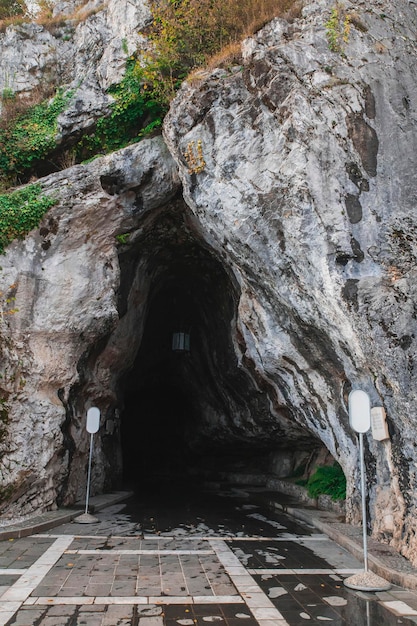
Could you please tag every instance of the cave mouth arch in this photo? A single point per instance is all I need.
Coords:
(191, 412)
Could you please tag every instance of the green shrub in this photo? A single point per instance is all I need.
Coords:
(132, 105)
(122, 238)
(338, 28)
(20, 212)
(32, 136)
(329, 480)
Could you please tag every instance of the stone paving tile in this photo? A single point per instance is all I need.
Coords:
(128, 575)
(123, 616)
(116, 587)
(202, 615)
(94, 589)
(278, 554)
(22, 553)
(6, 580)
(316, 599)
(28, 616)
(333, 554)
(400, 594)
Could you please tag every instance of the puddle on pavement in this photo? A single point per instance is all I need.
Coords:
(189, 511)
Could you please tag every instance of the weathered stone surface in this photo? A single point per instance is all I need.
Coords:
(294, 255)
(65, 279)
(308, 193)
(85, 51)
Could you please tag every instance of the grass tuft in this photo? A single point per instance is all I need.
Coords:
(327, 479)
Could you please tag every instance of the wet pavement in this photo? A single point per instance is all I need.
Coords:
(188, 556)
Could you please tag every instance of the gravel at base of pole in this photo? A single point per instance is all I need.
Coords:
(367, 581)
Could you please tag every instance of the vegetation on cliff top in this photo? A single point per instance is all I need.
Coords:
(185, 35)
(11, 8)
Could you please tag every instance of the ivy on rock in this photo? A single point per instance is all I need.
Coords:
(32, 136)
(131, 109)
(21, 211)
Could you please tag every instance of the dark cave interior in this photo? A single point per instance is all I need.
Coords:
(193, 411)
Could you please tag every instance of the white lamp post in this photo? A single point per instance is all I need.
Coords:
(360, 421)
(93, 425)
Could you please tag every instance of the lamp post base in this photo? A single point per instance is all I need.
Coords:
(366, 581)
(86, 518)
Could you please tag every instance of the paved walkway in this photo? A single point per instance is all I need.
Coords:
(110, 574)
(87, 577)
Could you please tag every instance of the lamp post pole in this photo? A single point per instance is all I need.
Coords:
(363, 487)
(90, 458)
(360, 421)
(93, 425)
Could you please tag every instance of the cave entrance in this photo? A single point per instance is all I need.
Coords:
(174, 399)
(164, 391)
(191, 412)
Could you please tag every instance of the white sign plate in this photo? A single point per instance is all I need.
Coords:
(379, 424)
(359, 411)
(93, 420)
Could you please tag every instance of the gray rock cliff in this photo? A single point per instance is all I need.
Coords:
(277, 219)
(84, 49)
(308, 193)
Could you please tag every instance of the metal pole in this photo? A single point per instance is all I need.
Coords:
(89, 473)
(364, 524)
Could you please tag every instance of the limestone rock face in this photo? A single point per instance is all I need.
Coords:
(59, 299)
(275, 223)
(300, 167)
(84, 48)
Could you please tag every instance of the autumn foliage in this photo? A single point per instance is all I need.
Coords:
(187, 33)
